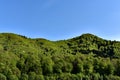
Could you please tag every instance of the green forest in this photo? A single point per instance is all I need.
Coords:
(85, 57)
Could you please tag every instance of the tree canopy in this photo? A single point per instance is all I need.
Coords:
(86, 57)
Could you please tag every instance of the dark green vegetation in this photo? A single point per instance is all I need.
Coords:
(86, 57)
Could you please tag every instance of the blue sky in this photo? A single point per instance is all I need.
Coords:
(61, 19)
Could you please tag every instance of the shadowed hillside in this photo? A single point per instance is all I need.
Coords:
(86, 57)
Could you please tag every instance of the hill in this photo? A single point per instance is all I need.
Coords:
(83, 57)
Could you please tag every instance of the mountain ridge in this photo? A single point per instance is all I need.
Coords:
(82, 35)
(84, 57)
(85, 43)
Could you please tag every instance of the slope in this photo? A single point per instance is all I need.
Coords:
(83, 57)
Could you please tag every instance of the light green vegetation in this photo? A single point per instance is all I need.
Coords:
(86, 57)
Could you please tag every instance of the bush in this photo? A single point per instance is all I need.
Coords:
(2, 77)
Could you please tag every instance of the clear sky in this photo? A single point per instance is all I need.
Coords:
(61, 19)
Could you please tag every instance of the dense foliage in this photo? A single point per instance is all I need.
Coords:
(86, 57)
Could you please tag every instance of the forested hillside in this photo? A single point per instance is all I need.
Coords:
(86, 57)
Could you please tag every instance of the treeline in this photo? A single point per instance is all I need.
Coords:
(85, 57)
(60, 67)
